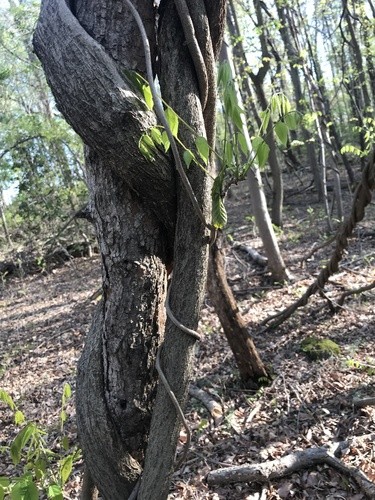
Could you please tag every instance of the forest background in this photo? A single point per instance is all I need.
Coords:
(311, 150)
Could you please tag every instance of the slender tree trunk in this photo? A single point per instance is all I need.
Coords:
(294, 63)
(188, 283)
(259, 206)
(248, 361)
(258, 81)
(3, 219)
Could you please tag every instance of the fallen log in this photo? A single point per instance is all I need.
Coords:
(284, 466)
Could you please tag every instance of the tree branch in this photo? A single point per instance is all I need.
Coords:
(284, 466)
(101, 107)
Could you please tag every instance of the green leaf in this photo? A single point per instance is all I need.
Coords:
(243, 144)
(24, 489)
(188, 157)
(66, 468)
(63, 416)
(6, 398)
(2, 493)
(292, 120)
(19, 417)
(20, 442)
(219, 214)
(4, 74)
(147, 147)
(40, 468)
(67, 391)
(54, 492)
(172, 119)
(281, 131)
(280, 106)
(261, 150)
(65, 443)
(203, 148)
(165, 141)
(224, 74)
(134, 79)
(236, 116)
(147, 94)
(265, 115)
(349, 148)
(155, 134)
(4, 482)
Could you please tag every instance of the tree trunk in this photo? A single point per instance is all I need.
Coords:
(259, 206)
(3, 219)
(248, 361)
(135, 202)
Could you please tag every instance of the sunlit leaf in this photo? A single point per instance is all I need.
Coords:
(203, 148)
(147, 94)
(172, 119)
(155, 134)
(7, 399)
(349, 148)
(165, 141)
(243, 144)
(188, 157)
(54, 492)
(147, 147)
(19, 417)
(24, 489)
(66, 468)
(20, 442)
(265, 115)
(292, 120)
(281, 131)
(261, 150)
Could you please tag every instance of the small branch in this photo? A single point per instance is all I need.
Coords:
(361, 403)
(316, 248)
(355, 291)
(212, 406)
(276, 469)
(252, 254)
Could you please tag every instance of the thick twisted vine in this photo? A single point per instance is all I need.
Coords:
(194, 49)
(362, 198)
(203, 86)
(159, 110)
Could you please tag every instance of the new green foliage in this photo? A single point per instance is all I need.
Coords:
(43, 469)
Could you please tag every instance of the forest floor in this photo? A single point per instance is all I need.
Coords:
(45, 317)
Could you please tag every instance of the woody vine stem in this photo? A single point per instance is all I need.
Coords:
(188, 27)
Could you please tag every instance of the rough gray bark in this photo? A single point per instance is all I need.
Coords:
(99, 104)
(116, 381)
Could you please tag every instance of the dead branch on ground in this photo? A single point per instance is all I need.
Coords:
(284, 466)
(213, 407)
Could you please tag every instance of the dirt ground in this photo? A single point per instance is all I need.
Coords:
(45, 317)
